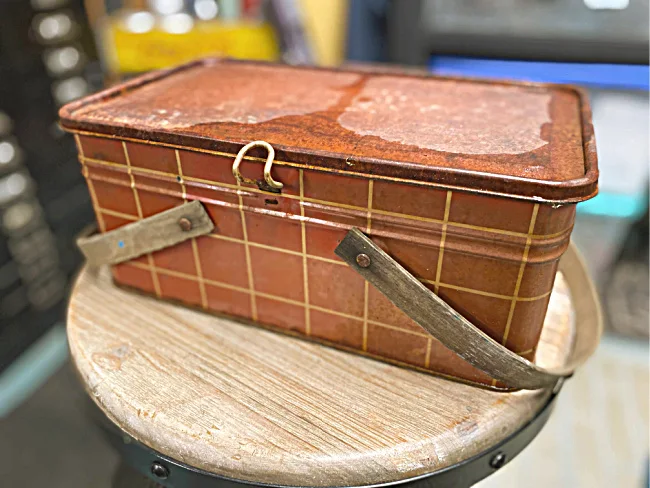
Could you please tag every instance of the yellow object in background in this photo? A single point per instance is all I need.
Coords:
(133, 52)
(326, 25)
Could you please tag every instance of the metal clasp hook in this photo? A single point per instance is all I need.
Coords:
(271, 184)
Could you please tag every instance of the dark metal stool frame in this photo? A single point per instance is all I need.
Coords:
(170, 473)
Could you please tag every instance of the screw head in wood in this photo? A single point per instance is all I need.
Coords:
(498, 460)
(185, 224)
(159, 470)
(363, 260)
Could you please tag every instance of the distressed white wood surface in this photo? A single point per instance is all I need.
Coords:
(251, 404)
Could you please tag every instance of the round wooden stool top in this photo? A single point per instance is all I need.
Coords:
(251, 404)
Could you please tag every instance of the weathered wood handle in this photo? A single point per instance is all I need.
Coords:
(458, 334)
(150, 234)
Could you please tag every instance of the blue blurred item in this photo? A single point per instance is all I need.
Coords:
(616, 76)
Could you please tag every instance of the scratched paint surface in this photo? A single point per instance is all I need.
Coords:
(487, 119)
(247, 95)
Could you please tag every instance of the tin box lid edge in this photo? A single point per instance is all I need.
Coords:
(558, 191)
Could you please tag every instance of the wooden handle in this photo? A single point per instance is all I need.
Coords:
(153, 233)
(458, 334)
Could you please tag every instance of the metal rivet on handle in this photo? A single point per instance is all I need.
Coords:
(185, 224)
(363, 260)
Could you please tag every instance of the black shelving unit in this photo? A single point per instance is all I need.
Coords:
(46, 59)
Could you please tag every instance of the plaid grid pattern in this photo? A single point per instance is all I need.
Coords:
(271, 257)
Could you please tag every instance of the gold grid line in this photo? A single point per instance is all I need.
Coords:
(199, 273)
(186, 276)
(93, 198)
(365, 282)
(337, 313)
(485, 293)
(394, 327)
(219, 284)
(341, 263)
(278, 249)
(154, 276)
(249, 266)
(520, 276)
(179, 178)
(427, 354)
(303, 236)
(89, 182)
(136, 197)
(121, 215)
(220, 184)
(279, 299)
(112, 164)
(195, 248)
(305, 166)
(80, 148)
(527, 351)
(441, 253)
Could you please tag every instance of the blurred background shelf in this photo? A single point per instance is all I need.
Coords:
(610, 31)
(46, 59)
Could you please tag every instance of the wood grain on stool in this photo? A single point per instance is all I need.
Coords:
(253, 405)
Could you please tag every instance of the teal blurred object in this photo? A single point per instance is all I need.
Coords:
(614, 205)
(32, 369)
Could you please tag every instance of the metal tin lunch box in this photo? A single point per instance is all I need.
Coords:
(470, 185)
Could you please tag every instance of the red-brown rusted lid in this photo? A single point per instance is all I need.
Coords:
(521, 140)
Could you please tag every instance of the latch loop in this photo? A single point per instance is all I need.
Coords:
(270, 182)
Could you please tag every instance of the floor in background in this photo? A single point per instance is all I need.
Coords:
(598, 434)
(49, 441)
(596, 437)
